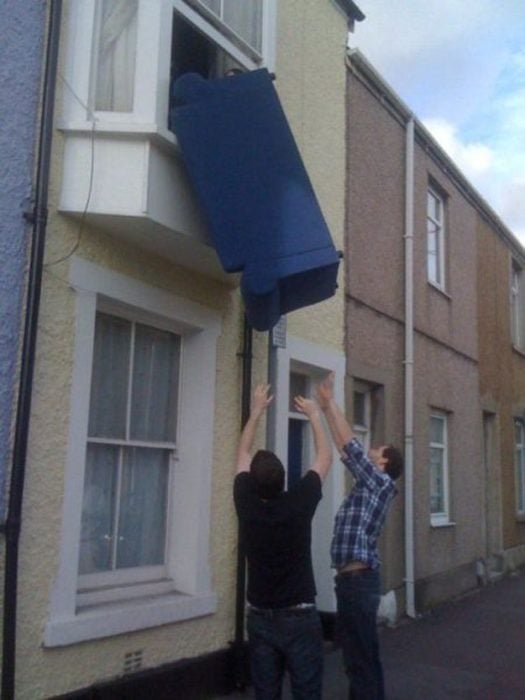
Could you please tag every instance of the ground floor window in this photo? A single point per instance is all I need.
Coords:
(438, 468)
(135, 526)
(519, 428)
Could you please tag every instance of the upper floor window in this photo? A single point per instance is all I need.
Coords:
(438, 467)
(215, 37)
(435, 238)
(519, 427)
(122, 55)
(517, 305)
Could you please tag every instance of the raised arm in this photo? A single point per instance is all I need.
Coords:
(260, 402)
(340, 429)
(323, 450)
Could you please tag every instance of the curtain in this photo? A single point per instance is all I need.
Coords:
(155, 385)
(142, 521)
(116, 56)
(243, 16)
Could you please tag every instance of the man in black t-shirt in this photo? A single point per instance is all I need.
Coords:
(284, 628)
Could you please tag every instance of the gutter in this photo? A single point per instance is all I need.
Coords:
(38, 218)
(239, 647)
(409, 369)
(363, 71)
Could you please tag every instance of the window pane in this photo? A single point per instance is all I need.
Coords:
(142, 521)
(360, 408)
(109, 382)
(298, 387)
(155, 385)
(437, 430)
(433, 206)
(296, 450)
(245, 18)
(432, 252)
(437, 504)
(213, 5)
(116, 56)
(98, 509)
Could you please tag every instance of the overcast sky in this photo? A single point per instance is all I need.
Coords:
(460, 66)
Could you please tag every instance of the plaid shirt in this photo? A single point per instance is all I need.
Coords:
(361, 516)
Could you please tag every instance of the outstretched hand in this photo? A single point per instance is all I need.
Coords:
(306, 406)
(261, 400)
(324, 392)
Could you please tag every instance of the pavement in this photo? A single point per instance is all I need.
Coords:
(472, 648)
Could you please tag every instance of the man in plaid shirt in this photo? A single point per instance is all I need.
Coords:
(355, 557)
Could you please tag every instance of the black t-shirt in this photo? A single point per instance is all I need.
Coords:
(277, 536)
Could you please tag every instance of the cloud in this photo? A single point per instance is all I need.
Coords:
(478, 162)
(460, 66)
(474, 159)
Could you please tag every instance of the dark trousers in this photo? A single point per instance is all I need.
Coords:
(282, 640)
(358, 598)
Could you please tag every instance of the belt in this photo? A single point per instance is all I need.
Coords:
(300, 609)
(348, 571)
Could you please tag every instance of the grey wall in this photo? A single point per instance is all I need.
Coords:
(22, 30)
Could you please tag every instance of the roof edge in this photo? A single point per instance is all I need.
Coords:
(361, 67)
(351, 10)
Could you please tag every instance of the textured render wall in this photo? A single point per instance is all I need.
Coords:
(46, 672)
(374, 254)
(502, 374)
(446, 372)
(445, 369)
(450, 318)
(311, 85)
(20, 68)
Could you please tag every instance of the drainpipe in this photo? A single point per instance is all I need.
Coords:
(409, 369)
(240, 659)
(38, 219)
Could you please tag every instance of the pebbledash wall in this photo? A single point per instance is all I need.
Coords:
(310, 47)
(21, 58)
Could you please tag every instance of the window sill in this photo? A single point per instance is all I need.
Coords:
(442, 524)
(111, 619)
(518, 350)
(440, 290)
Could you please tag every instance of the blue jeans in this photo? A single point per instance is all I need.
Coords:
(357, 604)
(282, 640)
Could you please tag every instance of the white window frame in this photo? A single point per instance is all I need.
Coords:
(519, 423)
(364, 432)
(443, 517)
(517, 305)
(152, 66)
(439, 224)
(186, 590)
(99, 587)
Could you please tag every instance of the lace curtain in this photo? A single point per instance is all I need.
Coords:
(116, 56)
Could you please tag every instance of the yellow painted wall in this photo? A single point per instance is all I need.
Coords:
(310, 79)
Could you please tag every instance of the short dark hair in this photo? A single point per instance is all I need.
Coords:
(268, 472)
(394, 466)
